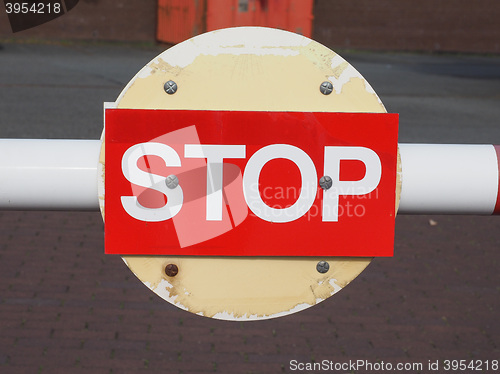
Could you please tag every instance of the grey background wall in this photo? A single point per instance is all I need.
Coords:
(425, 25)
(402, 25)
(120, 20)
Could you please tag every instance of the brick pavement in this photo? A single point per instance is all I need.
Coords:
(65, 307)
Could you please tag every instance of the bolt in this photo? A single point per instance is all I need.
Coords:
(326, 88)
(325, 182)
(170, 87)
(322, 267)
(172, 181)
(171, 270)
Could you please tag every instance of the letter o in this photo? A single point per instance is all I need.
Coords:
(308, 189)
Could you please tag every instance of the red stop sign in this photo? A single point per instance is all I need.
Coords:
(232, 183)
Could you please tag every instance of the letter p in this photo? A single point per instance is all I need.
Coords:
(333, 157)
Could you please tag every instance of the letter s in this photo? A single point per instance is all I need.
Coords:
(155, 182)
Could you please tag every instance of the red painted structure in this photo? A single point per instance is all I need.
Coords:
(179, 20)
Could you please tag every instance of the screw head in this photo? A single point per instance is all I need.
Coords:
(326, 88)
(171, 270)
(322, 267)
(172, 181)
(325, 182)
(170, 87)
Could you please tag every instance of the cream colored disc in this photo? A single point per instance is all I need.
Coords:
(247, 69)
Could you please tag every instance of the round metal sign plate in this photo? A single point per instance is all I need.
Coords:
(247, 69)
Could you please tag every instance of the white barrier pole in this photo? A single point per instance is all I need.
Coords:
(449, 179)
(39, 174)
(62, 175)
